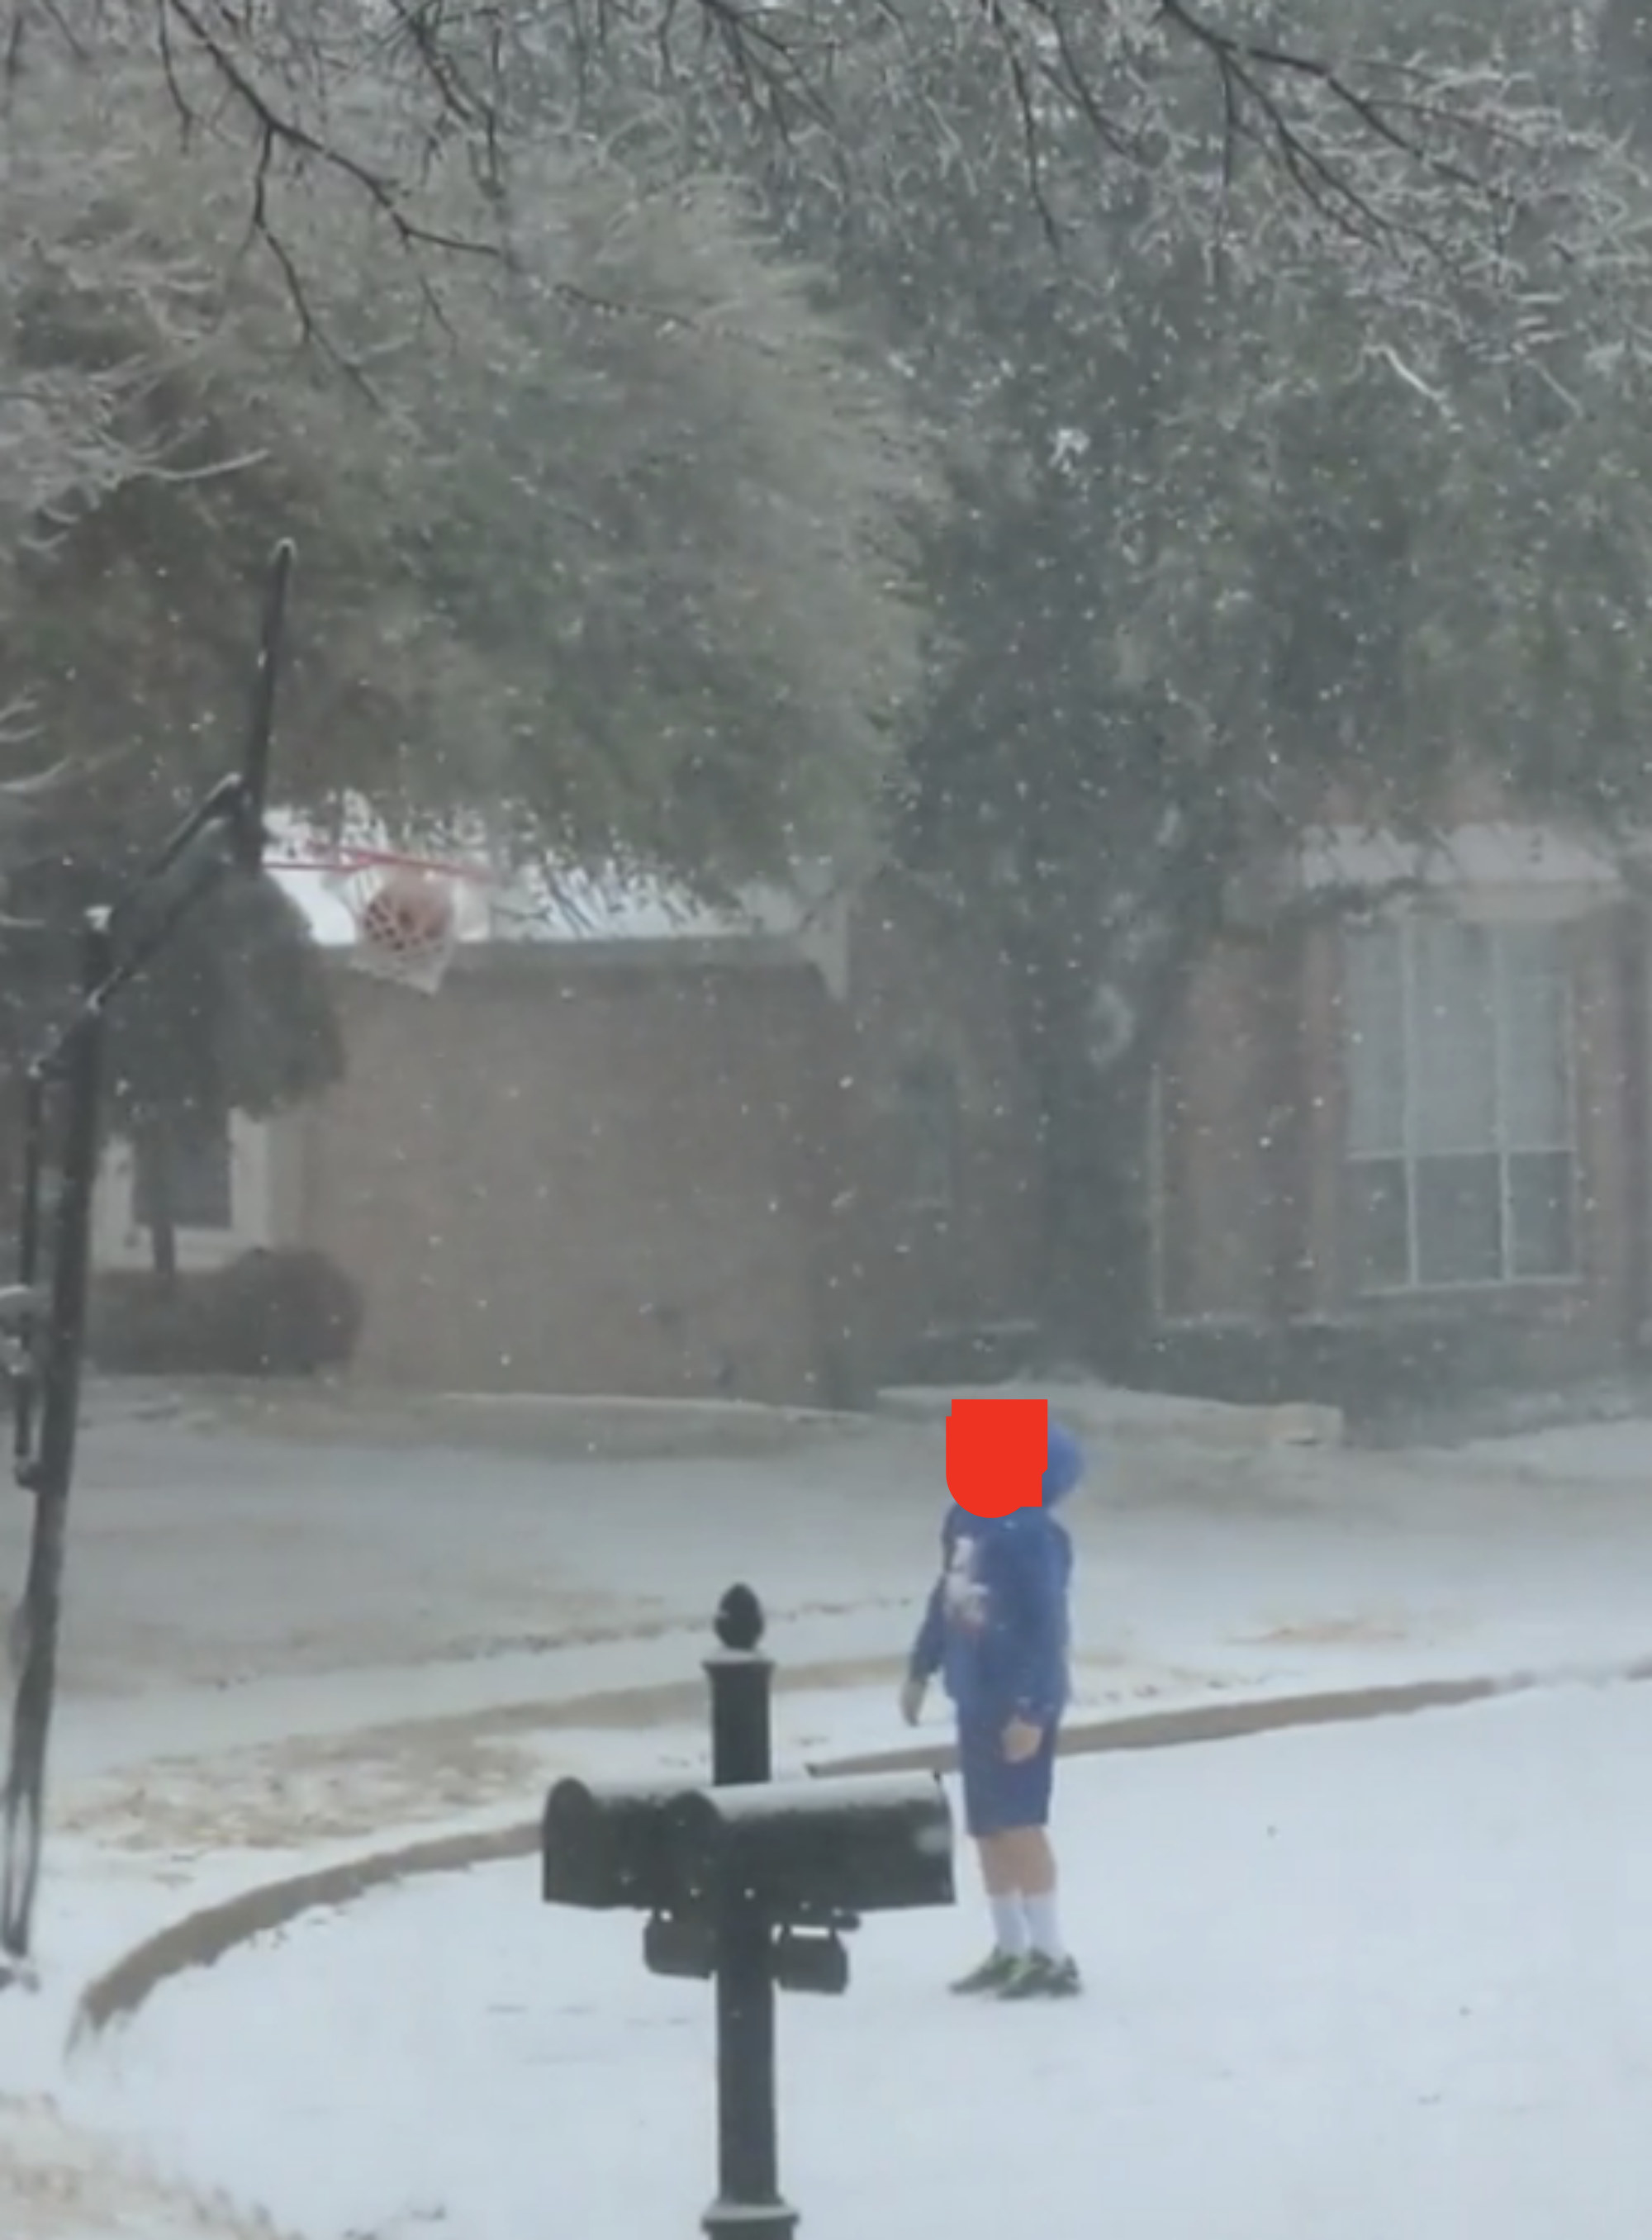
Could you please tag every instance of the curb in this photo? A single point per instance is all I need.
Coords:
(1126, 1417)
(619, 1428)
(201, 1939)
(557, 1426)
(1198, 1724)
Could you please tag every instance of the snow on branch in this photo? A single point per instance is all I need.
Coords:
(1391, 147)
(1256, 82)
(1450, 155)
(16, 723)
(27, 801)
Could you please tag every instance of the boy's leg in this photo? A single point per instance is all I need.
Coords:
(1030, 1862)
(1048, 1969)
(978, 1768)
(1000, 1875)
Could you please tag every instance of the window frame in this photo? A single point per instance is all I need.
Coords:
(124, 1242)
(188, 1139)
(1405, 928)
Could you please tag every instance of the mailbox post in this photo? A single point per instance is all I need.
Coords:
(752, 1882)
(742, 1679)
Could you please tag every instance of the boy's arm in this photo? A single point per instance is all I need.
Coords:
(1042, 1565)
(930, 1647)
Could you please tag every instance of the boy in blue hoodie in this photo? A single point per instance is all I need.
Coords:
(996, 1626)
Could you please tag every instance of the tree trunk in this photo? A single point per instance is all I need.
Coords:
(153, 1148)
(1098, 1220)
(1093, 1118)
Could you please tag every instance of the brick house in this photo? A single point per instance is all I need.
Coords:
(750, 1165)
(787, 1169)
(1433, 1119)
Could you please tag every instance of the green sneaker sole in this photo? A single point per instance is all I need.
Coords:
(992, 1975)
(1039, 1979)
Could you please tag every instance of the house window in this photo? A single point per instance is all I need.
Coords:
(222, 1202)
(202, 1177)
(1460, 1154)
(930, 1097)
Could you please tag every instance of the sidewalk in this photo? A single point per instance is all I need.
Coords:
(551, 1427)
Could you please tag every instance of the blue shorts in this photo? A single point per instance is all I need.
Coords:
(998, 1795)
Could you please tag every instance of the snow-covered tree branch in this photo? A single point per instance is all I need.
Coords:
(1403, 127)
(606, 526)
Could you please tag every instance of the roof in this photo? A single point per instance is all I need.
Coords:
(1465, 855)
(565, 905)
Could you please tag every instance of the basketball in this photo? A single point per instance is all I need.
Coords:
(411, 914)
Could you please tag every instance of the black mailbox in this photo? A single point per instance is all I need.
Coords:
(750, 1883)
(818, 1850)
(609, 1847)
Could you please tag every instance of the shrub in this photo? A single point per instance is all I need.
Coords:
(288, 1313)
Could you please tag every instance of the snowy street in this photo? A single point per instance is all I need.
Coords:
(281, 1655)
(236, 1607)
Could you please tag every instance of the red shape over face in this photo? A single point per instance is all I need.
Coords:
(996, 1454)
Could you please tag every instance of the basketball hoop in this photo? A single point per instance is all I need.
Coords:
(409, 912)
(407, 923)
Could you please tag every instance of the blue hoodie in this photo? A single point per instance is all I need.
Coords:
(996, 1623)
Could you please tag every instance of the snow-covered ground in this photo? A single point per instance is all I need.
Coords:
(1595, 1454)
(280, 1654)
(1397, 1980)
(272, 1647)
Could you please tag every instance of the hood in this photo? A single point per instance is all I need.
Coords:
(1064, 1467)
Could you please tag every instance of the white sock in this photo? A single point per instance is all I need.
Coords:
(1043, 1925)
(1010, 1923)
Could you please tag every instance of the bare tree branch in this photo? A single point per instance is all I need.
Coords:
(1394, 154)
(279, 127)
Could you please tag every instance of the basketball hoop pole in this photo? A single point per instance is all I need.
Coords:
(224, 835)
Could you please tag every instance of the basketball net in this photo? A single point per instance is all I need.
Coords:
(406, 916)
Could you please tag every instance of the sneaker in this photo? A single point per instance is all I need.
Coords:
(1038, 1977)
(994, 1973)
